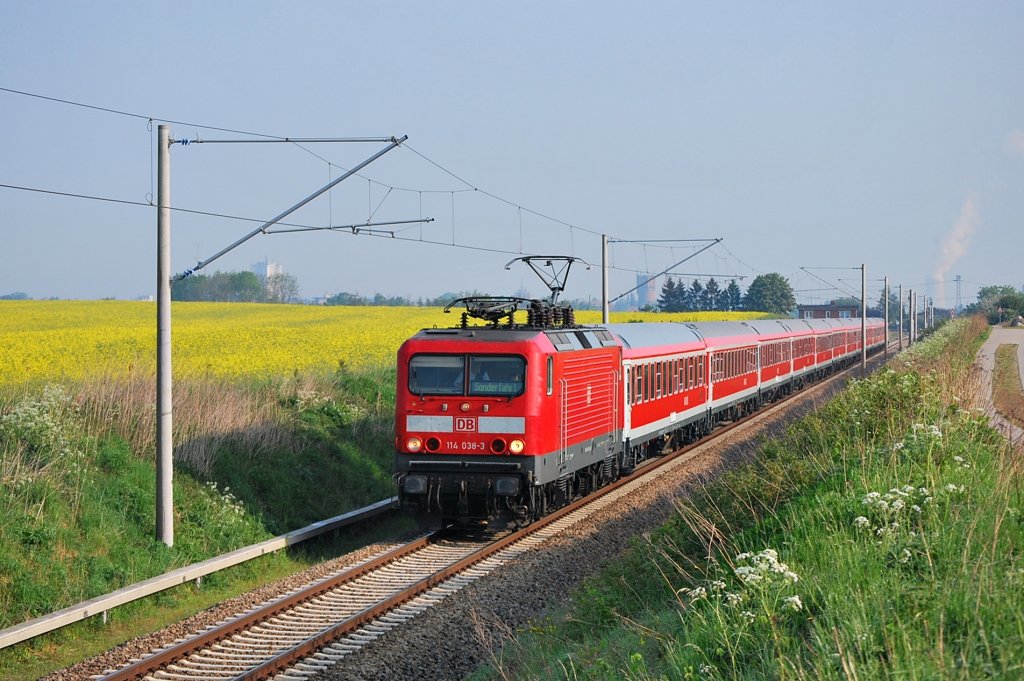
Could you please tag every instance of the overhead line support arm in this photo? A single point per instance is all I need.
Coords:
(262, 229)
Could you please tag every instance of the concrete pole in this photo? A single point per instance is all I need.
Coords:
(885, 295)
(910, 320)
(913, 319)
(901, 317)
(164, 404)
(604, 278)
(863, 320)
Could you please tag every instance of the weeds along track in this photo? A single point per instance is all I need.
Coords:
(313, 628)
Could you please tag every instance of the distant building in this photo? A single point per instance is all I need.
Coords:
(266, 269)
(647, 293)
(831, 310)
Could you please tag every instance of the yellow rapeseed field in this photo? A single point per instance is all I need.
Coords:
(54, 340)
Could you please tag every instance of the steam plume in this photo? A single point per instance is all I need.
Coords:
(954, 246)
(1015, 142)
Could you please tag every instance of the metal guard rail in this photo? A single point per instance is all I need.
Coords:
(189, 573)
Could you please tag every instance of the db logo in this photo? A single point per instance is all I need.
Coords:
(465, 424)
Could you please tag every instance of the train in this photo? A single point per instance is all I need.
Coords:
(499, 421)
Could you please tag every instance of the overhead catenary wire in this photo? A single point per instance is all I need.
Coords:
(298, 141)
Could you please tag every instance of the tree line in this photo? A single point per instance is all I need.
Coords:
(766, 293)
(998, 303)
(236, 287)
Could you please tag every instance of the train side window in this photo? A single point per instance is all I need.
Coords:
(551, 375)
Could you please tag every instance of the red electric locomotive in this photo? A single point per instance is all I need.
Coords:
(506, 420)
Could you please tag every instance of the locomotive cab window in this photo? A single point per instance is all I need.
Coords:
(496, 375)
(437, 374)
(488, 375)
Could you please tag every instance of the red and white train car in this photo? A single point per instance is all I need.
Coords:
(508, 421)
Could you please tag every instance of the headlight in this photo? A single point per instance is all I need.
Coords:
(506, 487)
(413, 444)
(415, 484)
(516, 446)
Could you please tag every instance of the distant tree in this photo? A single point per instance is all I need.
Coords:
(223, 287)
(709, 298)
(17, 295)
(282, 288)
(1008, 306)
(670, 297)
(894, 306)
(346, 298)
(735, 296)
(694, 297)
(988, 296)
(770, 293)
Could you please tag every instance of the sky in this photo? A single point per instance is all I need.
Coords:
(810, 137)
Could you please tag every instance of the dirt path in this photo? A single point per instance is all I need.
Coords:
(986, 361)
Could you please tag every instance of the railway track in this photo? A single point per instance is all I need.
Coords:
(311, 629)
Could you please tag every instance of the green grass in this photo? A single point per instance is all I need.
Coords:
(77, 504)
(74, 643)
(1006, 386)
(926, 585)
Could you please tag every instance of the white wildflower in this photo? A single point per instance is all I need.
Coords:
(791, 576)
(793, 603)
(733, 600)
(915, 508)
(748, 575)
(898, 505)
(861, 521)
(748, 616)
(717, 585)
(904, 556)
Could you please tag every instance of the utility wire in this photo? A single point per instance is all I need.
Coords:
(469, 187)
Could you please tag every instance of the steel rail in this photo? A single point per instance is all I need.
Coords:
(163, 657)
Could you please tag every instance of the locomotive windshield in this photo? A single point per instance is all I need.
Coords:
(473, 375)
